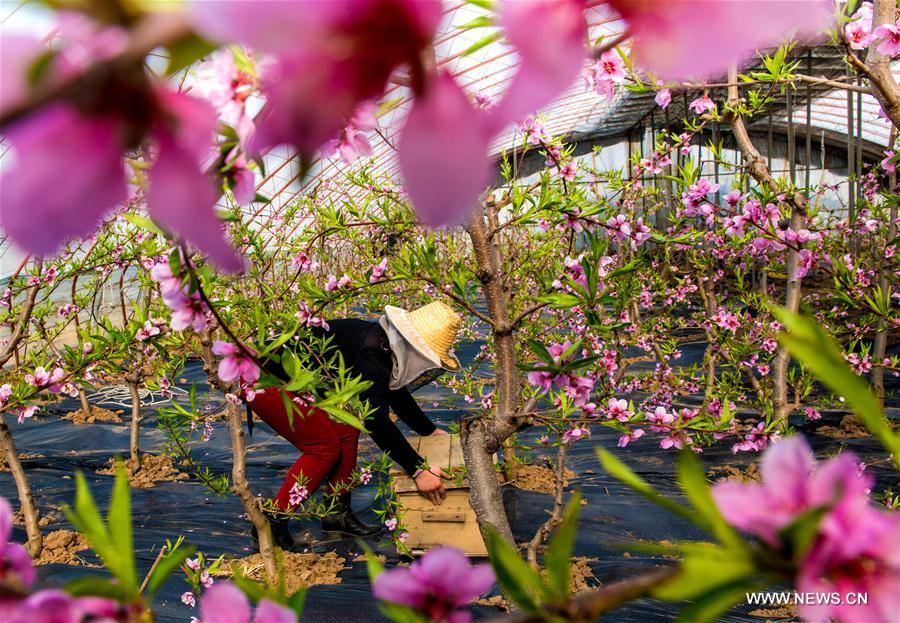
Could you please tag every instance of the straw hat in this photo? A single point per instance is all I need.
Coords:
(431, 329)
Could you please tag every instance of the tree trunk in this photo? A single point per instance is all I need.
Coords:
(85, 405)
(481, 438)
(792, 302)
(29, 510)
(134, 444)
(759, 170)
(880, 346)
(21, 327)
(486, 497)
(241, 488)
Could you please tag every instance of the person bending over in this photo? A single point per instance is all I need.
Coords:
(398, 353)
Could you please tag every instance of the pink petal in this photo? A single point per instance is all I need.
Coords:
(395, 586)
(266, 25)
(181, 198)
(549, 37)
(444, 146)
(699, 38)
(222, 349)
(786, 467)
(270, 612)
(67, 174)
(229, 369)
(17, 54)
(6, 521)
(224, 602)
(244, 187)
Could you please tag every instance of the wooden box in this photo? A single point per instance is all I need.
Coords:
(453, 521)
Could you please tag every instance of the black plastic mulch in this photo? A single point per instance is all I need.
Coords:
(215, 525)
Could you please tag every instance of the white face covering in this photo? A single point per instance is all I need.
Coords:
(409, 363)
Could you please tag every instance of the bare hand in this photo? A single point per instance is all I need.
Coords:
(440, 431)
(431, 486)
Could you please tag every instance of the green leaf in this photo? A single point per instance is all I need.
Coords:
(517, 579)
(484, 41)
(816, 350)
(802, 531)
(251, 588)
(693, 482)
(627, 476)
(98, 586)
(705, 567)
(711, 605)
(479, 22)
(144, 223)
(562, 300)
(119, 521)
(166, 567)
(86, 519)
(186, 50)
(560, 548)
(541, 351)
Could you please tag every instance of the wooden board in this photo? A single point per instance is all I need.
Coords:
(450, 523)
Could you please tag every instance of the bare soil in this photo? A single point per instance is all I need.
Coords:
(62, 547)
(22, 457)
(581, 579)
(850, 428)
(538, 478)
(300, 570)
(154, 468)
(97, 414)
(732, 472)
(780, 613)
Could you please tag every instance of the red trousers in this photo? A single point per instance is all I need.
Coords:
(328, 448)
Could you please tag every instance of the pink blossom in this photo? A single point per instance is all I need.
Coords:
(298, 493)
(575, 433)
(444, 145)
(858, 32)
(378, 270)
(46, 144)
(549, 38)
(187, 598)
(302, 263)
(390, 524)
(887, 162)
(621, 228)
(353, 142)
(618, 409)
(436, 585)
(702, 104)
(226, 87)
(225, 603)
(806, 259)
(889, 35)
(568, 172)
(683, 38)
(15, 563)
(48, 141)
(627, 438)
(855, 548)
(663, 98)
(604, 74)
(340, 53)
(235, 365)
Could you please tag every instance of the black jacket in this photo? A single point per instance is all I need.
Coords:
(364, 346)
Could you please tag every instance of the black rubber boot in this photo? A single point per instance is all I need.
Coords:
(345, 522)
(283, 537)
